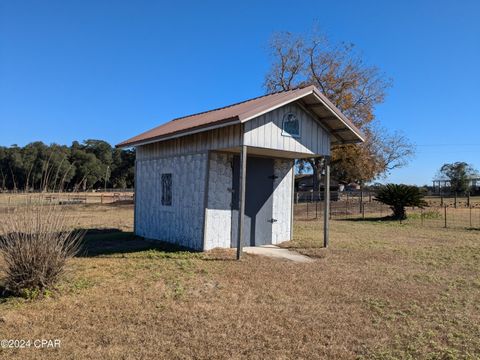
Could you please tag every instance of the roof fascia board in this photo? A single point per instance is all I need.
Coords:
(251, 114)
(329, 107)
(317, 119)
(178, 134)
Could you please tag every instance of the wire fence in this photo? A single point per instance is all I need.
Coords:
(8, 200)
(460, 214)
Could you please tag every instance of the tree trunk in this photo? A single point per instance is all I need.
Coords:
(399, 212)
(316, 165)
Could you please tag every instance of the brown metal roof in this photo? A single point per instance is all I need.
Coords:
(342, 128)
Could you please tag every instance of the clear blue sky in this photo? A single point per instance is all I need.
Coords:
(73, 70)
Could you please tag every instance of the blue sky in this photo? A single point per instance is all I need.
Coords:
(73, 70)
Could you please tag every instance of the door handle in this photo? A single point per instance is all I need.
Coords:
(272, 220)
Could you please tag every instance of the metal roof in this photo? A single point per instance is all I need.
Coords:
(309, 98)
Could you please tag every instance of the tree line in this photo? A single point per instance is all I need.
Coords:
(92, 164)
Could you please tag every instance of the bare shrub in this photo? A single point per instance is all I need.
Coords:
(36, 240)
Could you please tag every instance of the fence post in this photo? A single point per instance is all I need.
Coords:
(316, 209)
(470, 207)
(421, 217)
(445, 214)
(363, 211)
(455, 204)
(307, 209)
(441, 199)
(329, 203)
(346, 209)
(361, 199)
(468, 198)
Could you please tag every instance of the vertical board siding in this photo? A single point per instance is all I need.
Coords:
(282, 200)
(217, 139)
(265, 131)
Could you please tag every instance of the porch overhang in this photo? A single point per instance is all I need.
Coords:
(271, 153)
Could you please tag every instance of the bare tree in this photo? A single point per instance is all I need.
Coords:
(354, 87)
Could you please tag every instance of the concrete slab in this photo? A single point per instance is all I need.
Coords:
(276, 252)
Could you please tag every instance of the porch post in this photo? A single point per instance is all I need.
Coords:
(326, 199)
(241, 199)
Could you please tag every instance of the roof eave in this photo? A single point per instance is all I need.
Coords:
(341, 117)
(190, 131)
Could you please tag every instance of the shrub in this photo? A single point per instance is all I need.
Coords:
(36, 240)
(399, 196)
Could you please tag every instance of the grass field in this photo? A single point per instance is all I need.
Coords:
(383, 290)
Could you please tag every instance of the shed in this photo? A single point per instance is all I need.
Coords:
(197, 177)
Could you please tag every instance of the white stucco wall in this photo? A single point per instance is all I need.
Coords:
(218, 229)
(182, 222)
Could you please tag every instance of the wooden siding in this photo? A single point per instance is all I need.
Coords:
(217, 139)
(265, 131)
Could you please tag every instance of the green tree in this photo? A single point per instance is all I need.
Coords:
(3, 157)
(88, 170)
(14, 167)
(399, 196)
(123, 169)
(82, 166)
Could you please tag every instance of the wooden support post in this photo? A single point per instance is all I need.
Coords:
(241, 199)
(326, 198)
(470, 207)
(361, 199)
(445, 214)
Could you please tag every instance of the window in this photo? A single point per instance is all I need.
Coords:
(167, 189)
(291, 126)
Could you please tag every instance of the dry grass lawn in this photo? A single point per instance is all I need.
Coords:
(382, 290)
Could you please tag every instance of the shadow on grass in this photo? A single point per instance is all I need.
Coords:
(5, 294)
(100, 242)
(372, 219)
(118, 243)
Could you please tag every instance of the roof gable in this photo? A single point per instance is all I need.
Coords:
(342, 128)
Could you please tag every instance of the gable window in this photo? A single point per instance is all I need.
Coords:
(167, 189)
(291, 125)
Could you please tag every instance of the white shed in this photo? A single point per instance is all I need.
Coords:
(199, 176)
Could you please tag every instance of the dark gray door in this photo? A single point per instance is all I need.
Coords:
(258, 200)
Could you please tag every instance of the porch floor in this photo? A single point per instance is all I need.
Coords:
(276, 252)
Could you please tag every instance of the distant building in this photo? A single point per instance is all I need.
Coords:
(442, 186)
